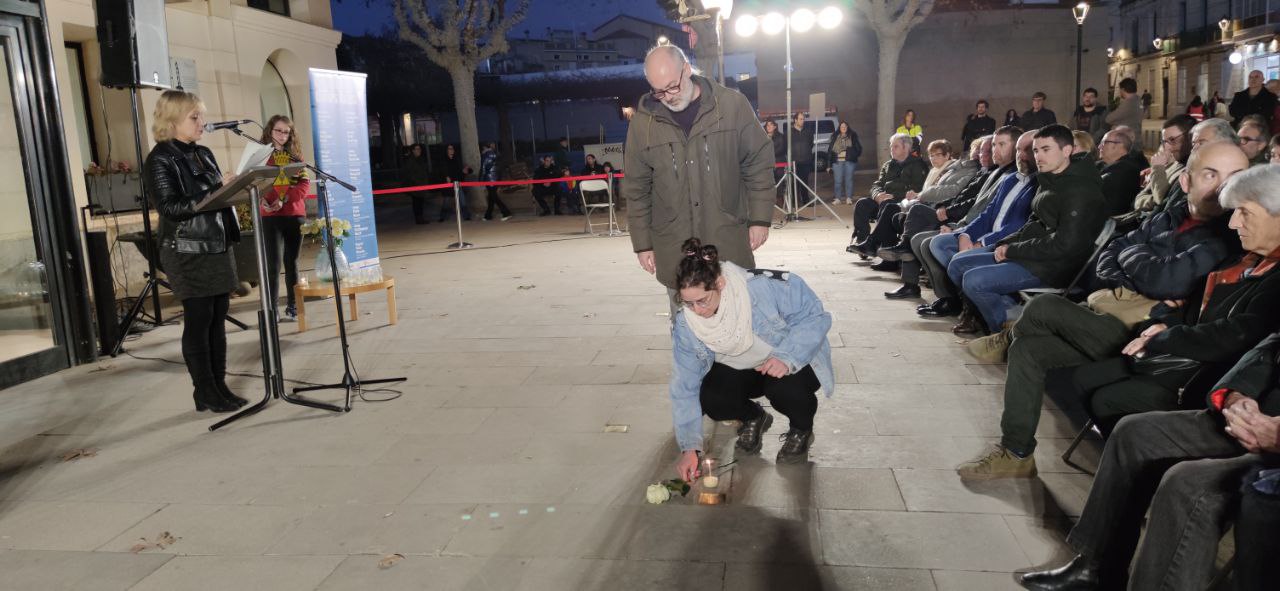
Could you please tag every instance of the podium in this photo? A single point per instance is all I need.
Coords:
(245, 189)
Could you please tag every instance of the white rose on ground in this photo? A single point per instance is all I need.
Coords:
(657, 494)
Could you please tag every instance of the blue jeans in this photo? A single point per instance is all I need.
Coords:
(843, 173)
(988, 284)
(944, 247)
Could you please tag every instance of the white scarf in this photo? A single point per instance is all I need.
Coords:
(728, 331)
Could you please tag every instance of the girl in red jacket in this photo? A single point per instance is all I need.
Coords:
(283, 211)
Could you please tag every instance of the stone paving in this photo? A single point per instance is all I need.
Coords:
(493, 470)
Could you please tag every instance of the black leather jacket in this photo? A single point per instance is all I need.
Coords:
(178, 176)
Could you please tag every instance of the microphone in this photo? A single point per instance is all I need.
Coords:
(226, 124)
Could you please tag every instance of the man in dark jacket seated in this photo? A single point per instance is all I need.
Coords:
(1186, 466)
(541, 191)
(901, 173)
(925, 221)
(960, 212)
(1067, 214)
(1166, 259)
(1121, 170)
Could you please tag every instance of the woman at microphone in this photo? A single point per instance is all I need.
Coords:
(195, 247)
(283, 211)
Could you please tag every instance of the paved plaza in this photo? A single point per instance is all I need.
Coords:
(494, 470)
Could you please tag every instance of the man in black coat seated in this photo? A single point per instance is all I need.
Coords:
(1186, 466)
(1121, 170)
(901, 173)
(1166, 259)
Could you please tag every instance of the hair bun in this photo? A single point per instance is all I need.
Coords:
(710, 254)
(692, 247)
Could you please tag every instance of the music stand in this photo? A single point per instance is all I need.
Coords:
(245, 189)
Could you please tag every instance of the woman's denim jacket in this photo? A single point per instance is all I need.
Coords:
(785, 313)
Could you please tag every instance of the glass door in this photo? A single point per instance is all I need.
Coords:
(40, 326)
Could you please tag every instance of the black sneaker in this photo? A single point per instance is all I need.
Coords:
(750, 438)
(795, 446)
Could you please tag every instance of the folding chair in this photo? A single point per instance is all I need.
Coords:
(1108, 229)
(598, 186)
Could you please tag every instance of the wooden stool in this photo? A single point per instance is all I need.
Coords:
(324, 289)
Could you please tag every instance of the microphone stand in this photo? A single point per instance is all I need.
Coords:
(350, 379)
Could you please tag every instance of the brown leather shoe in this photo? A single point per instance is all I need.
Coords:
(970, 323)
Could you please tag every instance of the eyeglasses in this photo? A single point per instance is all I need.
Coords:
(668, 91)
(1244, 139)
(280, 131)
(703, 303)
(1169, 141)
(1116, 142)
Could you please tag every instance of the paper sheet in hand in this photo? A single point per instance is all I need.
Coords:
(254, 155)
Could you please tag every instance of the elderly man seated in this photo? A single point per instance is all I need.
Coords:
(1166, 165)
(1121, 170)
(922, 222)
(1166, 259)
(1067, 214)
(900, 174)
(1186, 467)
(950, 176)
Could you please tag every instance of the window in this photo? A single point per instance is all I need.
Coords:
(273, 95)
(80, 101)
(555, 57)
(280, 7)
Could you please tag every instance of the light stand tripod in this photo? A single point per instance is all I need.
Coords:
(791, 213)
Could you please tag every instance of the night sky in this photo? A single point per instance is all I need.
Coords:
(355, 18)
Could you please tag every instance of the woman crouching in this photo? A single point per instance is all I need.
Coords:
(742, 335)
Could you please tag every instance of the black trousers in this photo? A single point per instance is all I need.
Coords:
(494, 200)
(1184, 468)
(727, 395)
(540, 194)
(865, 210)
(420, 205)
(282, 233)
(204, 338)
(1257, 542)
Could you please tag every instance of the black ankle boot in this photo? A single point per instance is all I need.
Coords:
(1081, 574)
(218, 363)
(750, 434)
(795, 446)
(229, 396)
(208, 397)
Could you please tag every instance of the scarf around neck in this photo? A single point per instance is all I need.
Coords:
(728, 331)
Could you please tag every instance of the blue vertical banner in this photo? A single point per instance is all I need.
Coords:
(340, 127)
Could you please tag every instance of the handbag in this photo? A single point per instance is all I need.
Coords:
(1163, 364)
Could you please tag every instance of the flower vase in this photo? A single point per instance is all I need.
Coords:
(324, 271)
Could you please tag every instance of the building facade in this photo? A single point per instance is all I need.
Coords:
(247, 59)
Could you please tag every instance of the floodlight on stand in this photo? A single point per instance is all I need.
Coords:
(830, 17)
(773, 23)
(746, 25)
(1080, 11)
(802, 20)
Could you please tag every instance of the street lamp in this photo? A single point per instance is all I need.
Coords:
(662, 40)
(1157, 43)
(802, 21)
(1079, 11)
(1224, 24)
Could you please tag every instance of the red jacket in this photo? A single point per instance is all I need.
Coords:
(294, 190)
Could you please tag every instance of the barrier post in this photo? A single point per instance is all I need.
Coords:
(457, 214)
(614, 230)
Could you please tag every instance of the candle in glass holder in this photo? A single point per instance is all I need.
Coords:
(709, 477)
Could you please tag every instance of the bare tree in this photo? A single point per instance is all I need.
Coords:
(892, 20)
(458, 35)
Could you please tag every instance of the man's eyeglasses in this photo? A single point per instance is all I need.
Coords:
(1244, 139)
(668, 91)
(1114, 142)
(703, 303)
(1170, 141)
